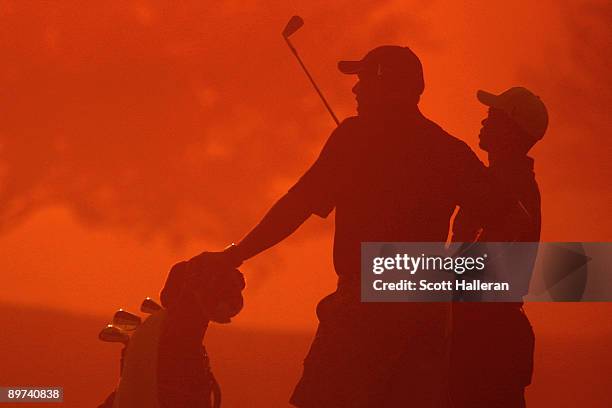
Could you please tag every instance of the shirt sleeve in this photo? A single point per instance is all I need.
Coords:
(317, 187)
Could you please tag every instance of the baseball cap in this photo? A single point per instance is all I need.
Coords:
(392, 62)
(524, 107)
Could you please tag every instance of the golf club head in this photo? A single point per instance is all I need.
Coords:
(113, 334)
(126, 320)
(149, 306)
(294, 24)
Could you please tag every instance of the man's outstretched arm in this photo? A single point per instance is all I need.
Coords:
(281, 220)
(285, 216)
(312, 194)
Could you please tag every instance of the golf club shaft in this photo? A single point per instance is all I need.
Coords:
(329, 109)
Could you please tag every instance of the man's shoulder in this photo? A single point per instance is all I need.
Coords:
(444, 139)
(345, 132)
(440, 139)
(452, 150)
(349, 124)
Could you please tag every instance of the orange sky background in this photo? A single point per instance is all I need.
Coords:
(134, 134)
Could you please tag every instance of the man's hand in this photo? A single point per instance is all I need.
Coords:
(228, 258)
(201, 267)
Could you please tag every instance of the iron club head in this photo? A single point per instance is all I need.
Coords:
(294, 24)
(113, 334)
(149, 306)
(126, 320)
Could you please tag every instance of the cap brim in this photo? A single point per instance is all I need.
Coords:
(487, 98)
(350, 67)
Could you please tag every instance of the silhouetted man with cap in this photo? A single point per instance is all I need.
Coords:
(492, 343)
(391, 175)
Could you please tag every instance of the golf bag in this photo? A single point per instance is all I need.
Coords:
(164, 364)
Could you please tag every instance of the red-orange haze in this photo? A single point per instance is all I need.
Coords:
(134, 134)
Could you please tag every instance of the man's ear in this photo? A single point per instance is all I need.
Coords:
(400, 93)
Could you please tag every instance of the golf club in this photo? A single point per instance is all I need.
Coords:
(149, 306)
(126, 320)
(294, 24)
(113, 334)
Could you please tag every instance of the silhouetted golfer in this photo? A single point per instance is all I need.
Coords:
(391, 175)
(492, 343)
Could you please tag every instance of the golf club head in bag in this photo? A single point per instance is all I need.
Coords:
(113, 334)
(149, 306)
(126, 321)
